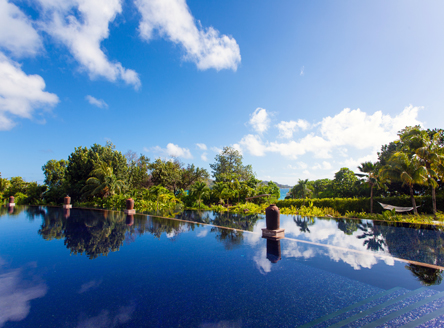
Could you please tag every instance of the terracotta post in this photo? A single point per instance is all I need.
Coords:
(272, 219)
(67, 202)
(130, 207)
(11, 201)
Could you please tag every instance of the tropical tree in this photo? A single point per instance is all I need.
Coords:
(103, 181)
(407, 170)
(429, 154)
(370, 172)
(301, 190)
(229, 165)
(199, 190)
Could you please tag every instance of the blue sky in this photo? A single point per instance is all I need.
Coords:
(301, 88)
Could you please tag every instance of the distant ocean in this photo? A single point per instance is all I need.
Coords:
(283, 193)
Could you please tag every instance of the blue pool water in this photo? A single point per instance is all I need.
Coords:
(90, 268)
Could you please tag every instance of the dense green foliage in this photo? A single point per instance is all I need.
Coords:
(101, 176)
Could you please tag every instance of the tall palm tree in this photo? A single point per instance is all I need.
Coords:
(200, 189)
(370, 172)
(103, 181)
(429, 155)
(301, 190)
(407, 170)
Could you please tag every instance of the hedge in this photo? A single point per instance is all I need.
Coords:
(343, 205)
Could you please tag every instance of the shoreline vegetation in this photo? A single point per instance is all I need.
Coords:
(409, 173)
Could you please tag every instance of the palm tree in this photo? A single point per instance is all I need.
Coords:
(369, 171)
(429, 155)
(103, 181)
(301, 190)
(407, 170)
(200, 190)
(160, 193)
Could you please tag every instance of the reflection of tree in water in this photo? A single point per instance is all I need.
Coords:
(348, 226)
(425, 275)
(95, 233)
(374, 239)
(226, 219)
(228, 237)
(14, 211)
(303, 223)
(53, 224)
(158, 226)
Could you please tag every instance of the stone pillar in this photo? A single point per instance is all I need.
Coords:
(130, 207)
(272, 218)
(67, 202)
(273, 250)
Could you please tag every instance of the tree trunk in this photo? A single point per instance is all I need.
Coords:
(413, 201)
(371, 199)
(434, 200)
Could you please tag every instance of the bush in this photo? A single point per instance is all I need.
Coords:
(358, 205)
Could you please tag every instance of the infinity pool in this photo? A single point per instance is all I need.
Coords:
(88, 268)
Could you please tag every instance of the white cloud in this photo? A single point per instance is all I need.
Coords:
(204, 157)
(15, 296)
(260, 120)
(20, 94)
(324, 166)
(201, 146)
(354, 163)
(96, 102)
(349, 128)
(173, 150)
(361, 130)
(302, 71)
(237, 147)
(298, 166)
(217, 150)
(254, 145)
(84, 34)
(16, 32)
(172, 20)
(286, 129)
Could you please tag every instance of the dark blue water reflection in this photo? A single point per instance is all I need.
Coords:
(105, 269)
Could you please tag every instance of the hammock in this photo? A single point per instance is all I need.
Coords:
(397, 208)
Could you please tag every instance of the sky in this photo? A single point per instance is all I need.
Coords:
(300, 88)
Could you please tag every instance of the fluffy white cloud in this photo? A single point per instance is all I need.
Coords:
(172, 19)
(361, 130)
(173, 150)
(254, 145)
(286, 129)
(324, 166)
(201, 146)
(349, 128)
(16, 32)
(216, 149)
(204, 157)
(84, 34)
(260, 120)
(20, 94)
(96, 102)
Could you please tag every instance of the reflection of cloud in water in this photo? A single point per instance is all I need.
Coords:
(262, 263)
(89, 285)
(176, 232)
(202, 234)
(325, 232)
(16, 294)
(222, 324)
(105, 319)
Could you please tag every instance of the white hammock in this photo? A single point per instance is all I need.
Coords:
(397, 208)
